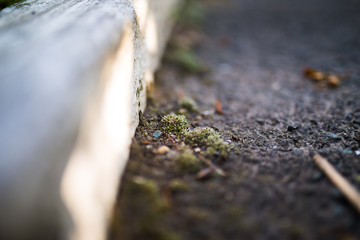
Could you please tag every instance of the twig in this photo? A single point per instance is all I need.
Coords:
(345, 187)
(218, 170)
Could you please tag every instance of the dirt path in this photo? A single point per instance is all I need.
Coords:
(274, 119)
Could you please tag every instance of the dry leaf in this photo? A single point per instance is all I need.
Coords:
(218, 107)
(333, 80)
(313, 74)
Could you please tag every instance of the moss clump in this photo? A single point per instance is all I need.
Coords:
(187, 162)
(192, 13)
(186, 60)
(148, 191)
(7, 3)
(210, 139)
(173, 123)
(189, 104)
(143, 203)
(178, 185)
(198, 214)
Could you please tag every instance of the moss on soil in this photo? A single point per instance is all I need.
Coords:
(210, 139)
(7, 3)
(178, 185)
(185, 59)
(144, 200)
(173, 123)
(187, 162)
(189, 104)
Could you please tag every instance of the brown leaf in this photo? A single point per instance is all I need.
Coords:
(218, 107)
(234, 138)
(313, 74)
(333, 80)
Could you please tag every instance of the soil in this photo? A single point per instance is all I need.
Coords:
(274, 118)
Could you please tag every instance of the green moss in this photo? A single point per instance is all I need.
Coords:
(185, 59)
(198, 214)
(189, 104)
(7, 3)
(178, 185)
(149, 193)
(187, 162)
(210, 139)
(199, 135)
(294, 232)
(173, 123)
(357, 178)
(234, 214)
(193, 13)
(142, 203)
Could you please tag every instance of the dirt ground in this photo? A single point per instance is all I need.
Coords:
(256, 59)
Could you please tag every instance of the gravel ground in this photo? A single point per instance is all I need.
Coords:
(274, 118)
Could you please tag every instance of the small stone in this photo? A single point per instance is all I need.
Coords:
(333, 136)
(208, 112)
(333, 80)
(346, 151)
(313, 121)
(357, 136)
(182, 111)
(292, 128)
(157, 134)
(197, 149)
(318, 76)
(357, 152)
(298, 152)
(317, 176)
(163, 149)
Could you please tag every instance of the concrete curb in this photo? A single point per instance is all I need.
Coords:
(73, 78)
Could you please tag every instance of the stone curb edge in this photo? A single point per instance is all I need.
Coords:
(73, 77)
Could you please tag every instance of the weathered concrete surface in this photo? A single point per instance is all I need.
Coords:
(72, 83)
(275, 118)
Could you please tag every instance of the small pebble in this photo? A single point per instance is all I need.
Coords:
(157, 134)
(318, 76)
(197, 149)
(357, 152)
(182, 111)
(298, 152)
(208, 112)
(333, 135)
(346, 151)
(333, 80)
(292, 128)
(317, 176)
(163, 150)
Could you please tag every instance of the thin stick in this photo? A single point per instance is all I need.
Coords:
(345, 187)
(210, 164)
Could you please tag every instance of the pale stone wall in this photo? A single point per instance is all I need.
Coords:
(73, 75)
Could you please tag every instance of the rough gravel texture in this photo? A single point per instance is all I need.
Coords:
(275, 118)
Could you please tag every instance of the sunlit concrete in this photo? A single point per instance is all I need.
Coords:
(73, 78)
